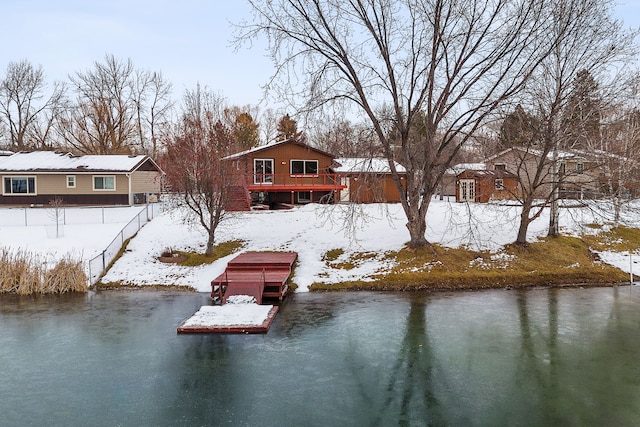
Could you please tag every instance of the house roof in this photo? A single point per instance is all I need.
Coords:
(365, 165)
(486, 173)
(50, 161)
(562, 154)
(456, 169)
(273, 145)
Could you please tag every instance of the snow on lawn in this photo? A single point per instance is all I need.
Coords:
(82, 233)
(310, 230)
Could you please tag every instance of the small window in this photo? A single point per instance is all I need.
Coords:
(304, 167)
(499, 184)
(71, 181)
(304, 196)
(19, 185)
(500, 167)
(579, 168)
(104, 183)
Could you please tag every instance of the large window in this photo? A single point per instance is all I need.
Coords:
(19, 185)
(104, 183)
(304, 167)
(262, 171)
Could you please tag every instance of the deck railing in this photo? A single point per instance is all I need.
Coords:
(265, 181)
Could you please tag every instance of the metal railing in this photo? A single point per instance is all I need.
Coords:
(97, 266)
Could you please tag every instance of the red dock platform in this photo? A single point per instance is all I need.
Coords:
(262, 275)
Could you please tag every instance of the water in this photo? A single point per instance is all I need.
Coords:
(537, 357)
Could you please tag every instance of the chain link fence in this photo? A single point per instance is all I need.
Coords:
(97, 266)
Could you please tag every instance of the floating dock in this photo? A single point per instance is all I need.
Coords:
(249, 279)
(262, 275)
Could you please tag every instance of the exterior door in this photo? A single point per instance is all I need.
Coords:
(344, 194)
(263, 171)
(467, 190)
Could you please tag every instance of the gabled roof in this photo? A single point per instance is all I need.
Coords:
(562, 154)
(482, 173)
(365, 165)
(457, 168)
(51, 161)
(273, 145)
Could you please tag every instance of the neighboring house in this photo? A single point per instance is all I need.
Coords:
(485, 185)
(369, 180)
(578, 173)
(449, 182)
(284, 173)
(38, 177)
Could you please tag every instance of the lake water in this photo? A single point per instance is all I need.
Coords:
(537, 357)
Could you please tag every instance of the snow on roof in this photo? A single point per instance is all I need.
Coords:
(369, 165)
(5, 153)
(57, 161)
(456, 169)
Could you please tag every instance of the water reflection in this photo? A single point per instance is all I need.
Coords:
(539, 357)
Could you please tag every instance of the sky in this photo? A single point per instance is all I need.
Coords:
(189, 41)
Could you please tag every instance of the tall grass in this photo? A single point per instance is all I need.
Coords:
(25, 273)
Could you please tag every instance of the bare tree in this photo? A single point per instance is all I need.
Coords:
(585, 37)
(193, 164)
(455, 61)
(153, 105)
(27, 107)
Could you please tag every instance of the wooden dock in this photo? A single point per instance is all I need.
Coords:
(259, 276)
(262, 275)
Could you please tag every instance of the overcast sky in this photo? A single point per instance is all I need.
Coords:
(189, 41)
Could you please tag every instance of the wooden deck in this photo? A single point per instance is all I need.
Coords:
(262, 275)
(206, 326)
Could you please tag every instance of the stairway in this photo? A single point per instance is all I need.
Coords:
(239, 198)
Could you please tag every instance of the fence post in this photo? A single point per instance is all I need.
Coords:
(103, 214)
(25, 217)
(104, 265)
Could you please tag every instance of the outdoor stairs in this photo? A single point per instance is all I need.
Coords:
(239, 197)
(262, 275)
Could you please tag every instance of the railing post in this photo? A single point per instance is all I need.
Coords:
(25, 217)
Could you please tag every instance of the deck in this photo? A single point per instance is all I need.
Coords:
(262, 275)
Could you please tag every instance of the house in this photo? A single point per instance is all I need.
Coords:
(369, 180)
(484, 185)
(578, 172)
(37, 178)
(284, 173)
(449, 181)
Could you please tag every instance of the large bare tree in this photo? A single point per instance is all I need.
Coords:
(585, 37)
(448, 63)
(27, 107)
(195, 171)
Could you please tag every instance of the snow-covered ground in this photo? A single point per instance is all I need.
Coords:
(309, 230)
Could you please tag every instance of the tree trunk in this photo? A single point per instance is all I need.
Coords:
(417, 221)
(524, 223)
(210, 244)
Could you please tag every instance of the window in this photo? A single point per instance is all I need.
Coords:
(304, 196)
(500, 167)
(19, 185)
(71, 181)
(304, 167)
(579, 168)
(104, 183)
(499, 184)
(263, 171)
(563, 168)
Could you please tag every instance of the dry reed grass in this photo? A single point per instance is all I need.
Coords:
(25, 273)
